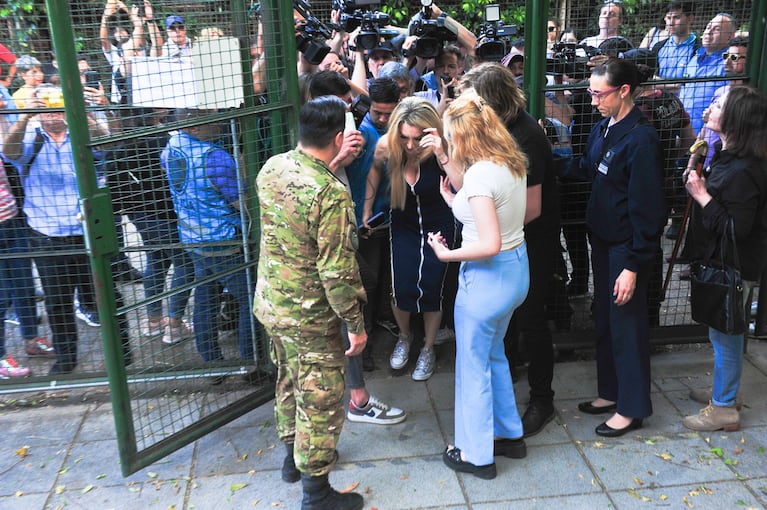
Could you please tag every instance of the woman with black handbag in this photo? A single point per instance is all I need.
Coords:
(731, 193)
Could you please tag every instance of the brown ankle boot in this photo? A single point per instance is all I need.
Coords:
(713, 418)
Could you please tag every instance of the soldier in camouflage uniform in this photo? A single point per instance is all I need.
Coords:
(308, 282)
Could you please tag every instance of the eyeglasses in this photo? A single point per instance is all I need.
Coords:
(733, 56)
(552, 29)
(599, 95)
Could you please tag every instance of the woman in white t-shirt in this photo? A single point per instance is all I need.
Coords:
(490, 172)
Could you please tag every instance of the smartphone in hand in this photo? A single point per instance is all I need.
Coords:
(375, 221)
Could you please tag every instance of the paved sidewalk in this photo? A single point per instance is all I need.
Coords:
(71, 461)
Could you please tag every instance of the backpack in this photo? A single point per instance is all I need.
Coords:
(14, 178)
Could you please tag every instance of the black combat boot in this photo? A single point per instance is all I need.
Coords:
(290, 473)
(319, 495)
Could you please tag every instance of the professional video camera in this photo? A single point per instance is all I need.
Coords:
(431, 33)
(567, 59)
(311, 34)
(372, 23)
(493, 37)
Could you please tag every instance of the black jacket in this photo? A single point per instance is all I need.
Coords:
(739, 190)
(627, 203)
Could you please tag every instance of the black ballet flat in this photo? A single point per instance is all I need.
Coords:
(605, 430)
(588, 408)
(452, 459)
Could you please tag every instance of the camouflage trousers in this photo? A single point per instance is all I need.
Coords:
(309, 408)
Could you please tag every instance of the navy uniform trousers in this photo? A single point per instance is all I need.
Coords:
(623, 340)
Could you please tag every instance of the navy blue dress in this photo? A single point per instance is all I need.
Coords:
(417, 275)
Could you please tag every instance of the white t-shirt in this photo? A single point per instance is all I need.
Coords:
(509, 193)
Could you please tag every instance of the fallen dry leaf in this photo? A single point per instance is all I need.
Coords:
(350, 488)
(23, 451)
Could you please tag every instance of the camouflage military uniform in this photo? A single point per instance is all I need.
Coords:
(308, 281)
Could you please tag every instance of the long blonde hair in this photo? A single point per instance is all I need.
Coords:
(476, 133)
(414, 111)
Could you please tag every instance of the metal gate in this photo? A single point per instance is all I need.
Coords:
(161, 134)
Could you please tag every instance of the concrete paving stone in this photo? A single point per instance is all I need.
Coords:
(744, 451)
(570, 502)
(27, 425)
(404, 483)
(577, 379)
(442, 390)
(157, 495)
(35, 472)
(97, 463)
(534, 475)
(419, 434)
(618, 462)
(702, 496)
(231, 450)
(26, 501)
(759, 487)
(263, 489)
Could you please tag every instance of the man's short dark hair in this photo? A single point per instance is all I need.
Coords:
(320, 120)
(384, 90)
(683, 7)
(328, 83)
(739, 41)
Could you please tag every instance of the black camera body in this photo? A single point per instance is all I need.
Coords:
(432, 33)
(566, 59)
(311, 34)
(371, 23)
(359, 108)
(493, 40)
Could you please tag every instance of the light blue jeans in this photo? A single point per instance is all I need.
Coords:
(488, 293)
(728, 359)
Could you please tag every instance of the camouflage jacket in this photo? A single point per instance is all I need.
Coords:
(308, 276)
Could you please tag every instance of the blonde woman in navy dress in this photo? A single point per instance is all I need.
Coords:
(417, 208)
(489, 171)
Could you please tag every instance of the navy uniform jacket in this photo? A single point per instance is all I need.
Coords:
(627, 204)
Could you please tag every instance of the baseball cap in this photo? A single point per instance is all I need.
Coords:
(6, 55)
(173, 20)
(384, 46)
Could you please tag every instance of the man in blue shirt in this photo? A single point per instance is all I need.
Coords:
(206, 193)
(707, 61)
(675, 52)
(40, 145)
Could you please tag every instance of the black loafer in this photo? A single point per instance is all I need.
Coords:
(536, 417)
(510, 448)
(452, 459)
(605, 430)
(586, 407)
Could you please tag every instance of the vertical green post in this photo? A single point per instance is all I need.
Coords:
(98, 222)
(535, 55)
(756, 67)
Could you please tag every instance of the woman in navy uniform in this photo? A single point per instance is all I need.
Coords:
(626, 214)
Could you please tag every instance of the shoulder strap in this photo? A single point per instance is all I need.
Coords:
(36, 148)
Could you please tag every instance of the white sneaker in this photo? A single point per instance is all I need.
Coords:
(444, 336)
(401, 353)
(424, 367)
(375, 412)
(176, 334)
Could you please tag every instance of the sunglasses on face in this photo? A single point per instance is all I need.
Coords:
(733, 56)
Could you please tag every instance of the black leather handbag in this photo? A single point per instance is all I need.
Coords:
(716, 289)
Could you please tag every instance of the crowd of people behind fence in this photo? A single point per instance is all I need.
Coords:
(445, 199)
